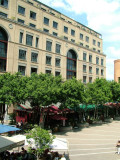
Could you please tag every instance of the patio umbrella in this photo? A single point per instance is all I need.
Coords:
(7, 128)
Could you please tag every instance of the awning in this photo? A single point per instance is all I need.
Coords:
(52, 109)
(58, 117)
(6, 128)
(24, 107)
(8, 143)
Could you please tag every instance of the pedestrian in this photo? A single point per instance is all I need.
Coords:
(21, 123)
(63, 157)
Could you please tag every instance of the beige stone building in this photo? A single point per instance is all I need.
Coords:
(37, 38)
(117, 70)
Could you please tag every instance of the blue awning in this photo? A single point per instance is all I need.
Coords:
(6, 128)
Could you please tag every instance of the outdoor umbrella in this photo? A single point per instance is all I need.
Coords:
(7, 128)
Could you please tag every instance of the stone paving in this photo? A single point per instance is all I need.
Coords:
(97, 142)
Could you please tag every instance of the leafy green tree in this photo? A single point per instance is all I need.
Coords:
(42, 139)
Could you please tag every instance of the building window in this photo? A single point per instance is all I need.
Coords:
(98, 44)
(94, 49)
(81, 44)
(94, 42)
(65, 29)
(72, 40)
(46, 21)
(33, 70)
(2, 65)
(57, 62)
(102, 72)
(84, 79)
(48, 60)
(21, 37)
(87, 46)
(97, 71)
(84, 56)
(3, 14)
(84, 68)
(36, 43)
(48, 71)
(32, 15)
(65, 38)
(32, 25)
(21, 10)
(102, 62)
(90, 79)
(87, 39)
(90, 69)
(72, 32)
(58, 47)
(46, 30)
(21, 21)
(90, 58)
(71, 64)
(55, 34)
(4, 3)
(29, 39)
(34, 57)
(98, 51)
(57, 73)
(21, 69)
(48, 45)
(97, 60)
(55, 24)
(22, 54)
(81, 36)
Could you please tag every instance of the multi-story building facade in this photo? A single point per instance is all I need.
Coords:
(117, 70)
(37, 38)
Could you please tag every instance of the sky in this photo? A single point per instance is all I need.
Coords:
(103, 16)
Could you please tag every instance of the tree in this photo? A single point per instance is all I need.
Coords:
(42, 139)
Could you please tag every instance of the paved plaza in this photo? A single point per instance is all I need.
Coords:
(97, 142)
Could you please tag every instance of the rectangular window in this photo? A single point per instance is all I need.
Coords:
(36, 43)
(90, 69)
(57, 62)
(32, 25)
(72, 40)
(48, 60)
(84, 79)
(21, 69)
(98, 51)
(66, 38)
(90, 58)
(65, 29)
(33, 70)
(29, 39)
(57, 73)
(72, 32)
(97, 60)
(22, 54)
(21, 10)
(97, 71)
(94, 49)
(84, 56)
(90, 79)
(3, 49)
(48, 45)
(84, 68)
(2, 65)
(81, 36)
(102, 62)
(21, 21)
(32, 15)
(94, 42)
(102, 72)
(21, 37)
(81, 44)
(55, 24)
(58, 47)
(4, 3)
(3, 14)
(55, 34)
(98, 44)
(87, 39)
(48, 71)
(46, 21)
(87, 46)
(34, 57)
(46, 30)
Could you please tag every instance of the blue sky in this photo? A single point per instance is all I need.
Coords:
(102, 16)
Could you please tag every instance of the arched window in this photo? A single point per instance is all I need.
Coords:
(71, 64)
(3, 49)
